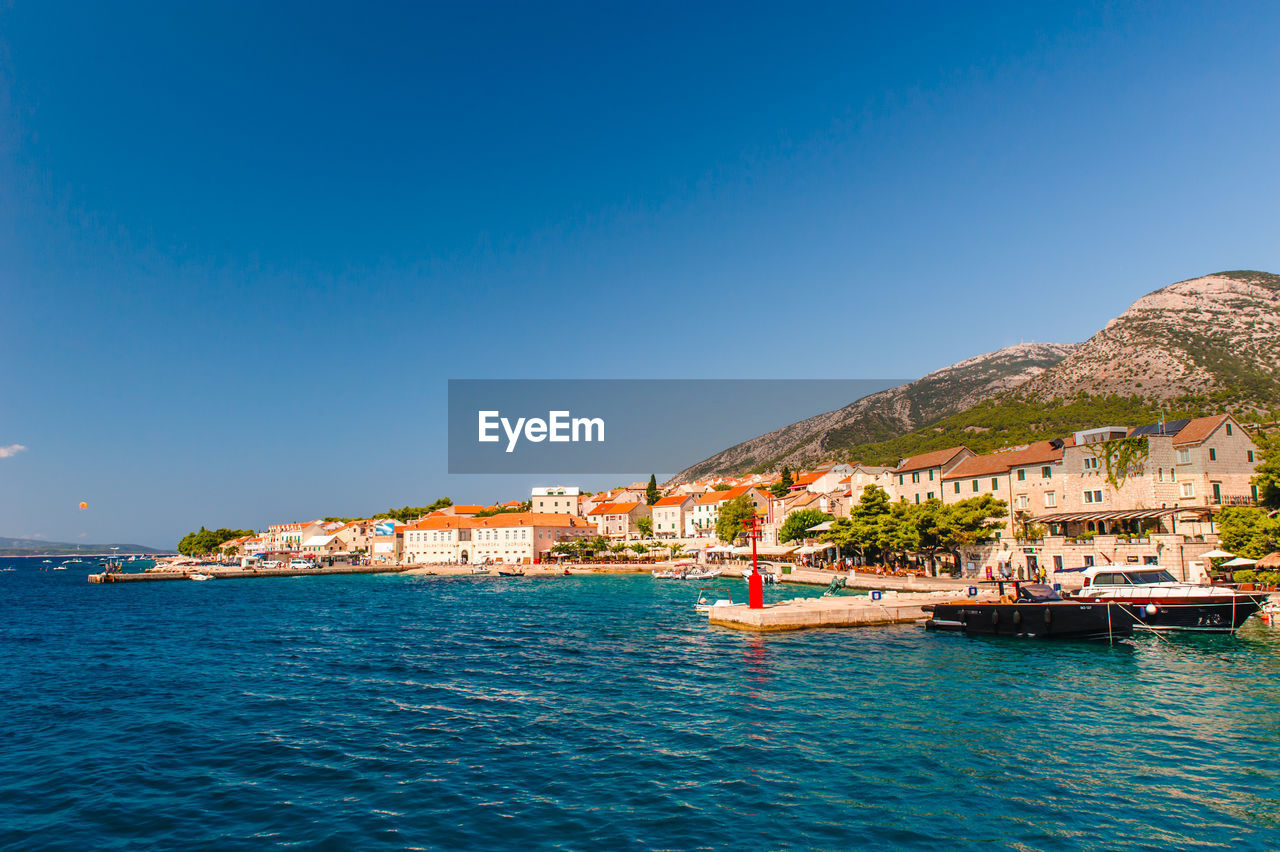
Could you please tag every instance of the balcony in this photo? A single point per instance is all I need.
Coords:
(1228, 500)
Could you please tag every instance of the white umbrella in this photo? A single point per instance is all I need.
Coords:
(822, 527)
(1216, 554)
(1239, 562)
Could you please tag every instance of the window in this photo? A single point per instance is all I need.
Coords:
(899, 479)
(1023, 501)
(1022, 475)
(1090, 463)
(1217, 492)
(1249, 453)
(1213, 454)
(1050, 499)
(915, 477)
(995, 483)
(1254, 493)
(1184, 457)
(929, 496)
(1088, 562)
(931, 476)
(957, 486)
(1046, 472)
(1228, 430)
(1057, 563)
(975, 485)
(917, 498)
(1188, 489)
(1094, 496)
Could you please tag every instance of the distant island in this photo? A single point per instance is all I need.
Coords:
(37, 547)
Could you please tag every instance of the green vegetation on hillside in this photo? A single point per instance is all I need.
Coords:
(410, 513)
(1009, 421)
(205, 541)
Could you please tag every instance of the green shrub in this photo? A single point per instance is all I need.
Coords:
(1247, 575)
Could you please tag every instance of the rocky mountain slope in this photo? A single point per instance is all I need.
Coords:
(888, 413)
(1198, 346)
(1216, 336)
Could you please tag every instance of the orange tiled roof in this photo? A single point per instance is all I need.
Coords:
(1041, 452)
(807, 477)
(529, 519)
(621, 508)
(673, 500)
(937, 458)
(713, 497)
(1199, 429)
(467, 509)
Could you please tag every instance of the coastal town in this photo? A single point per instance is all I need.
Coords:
(1147, 494)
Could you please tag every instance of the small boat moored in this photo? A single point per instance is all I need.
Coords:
(1033, 610)
(198, 576)
(708, 598)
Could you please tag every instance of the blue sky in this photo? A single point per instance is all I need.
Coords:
(243, 248)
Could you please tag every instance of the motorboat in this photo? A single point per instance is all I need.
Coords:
(479, 569)
(701, 573)
(1031, 610)
(1158, 601)
(199, 576)
(510, 572)
(710, 598)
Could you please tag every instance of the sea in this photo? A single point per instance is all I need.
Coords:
(599, 712)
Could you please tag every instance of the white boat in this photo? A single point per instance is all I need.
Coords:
(479, 569)
(60, 567)
(199, 577)
(701, 573)
(708, 598)
(1158, 601)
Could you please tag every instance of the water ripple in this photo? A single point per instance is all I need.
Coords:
(438, 713)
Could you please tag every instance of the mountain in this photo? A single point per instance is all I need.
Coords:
(23, 546)
(1195, 347)
(888, 413)
(1217, 336)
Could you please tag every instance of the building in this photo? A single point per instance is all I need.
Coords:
(919, 477)
(701, 521)
(619, 520)
(669, 515)
(510, 538)
(556, 499)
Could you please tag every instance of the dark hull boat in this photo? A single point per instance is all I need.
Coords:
(1033, 611)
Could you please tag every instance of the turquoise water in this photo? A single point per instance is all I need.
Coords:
(392, 712)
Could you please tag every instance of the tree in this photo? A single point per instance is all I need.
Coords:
(645, 525)
(795, 527)
(596, 545)
(783, 486)
(732, 514)
(674, 550)
(1247, 531)
(640, 549)
(652, 494)
(721, 486)
(865, 530)
(972, 521)
(1267, 474)
(410, 513)
(570, 547)
(206, 541)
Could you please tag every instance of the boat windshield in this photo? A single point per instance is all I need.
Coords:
(1144, 578)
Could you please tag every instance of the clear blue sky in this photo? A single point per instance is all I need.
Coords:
(242, 248)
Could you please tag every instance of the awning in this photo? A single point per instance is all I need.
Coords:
(1114, 515)
(1239, 562)
(1004, 555)
(765, 550)
(1216, 554)
(815, 548)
